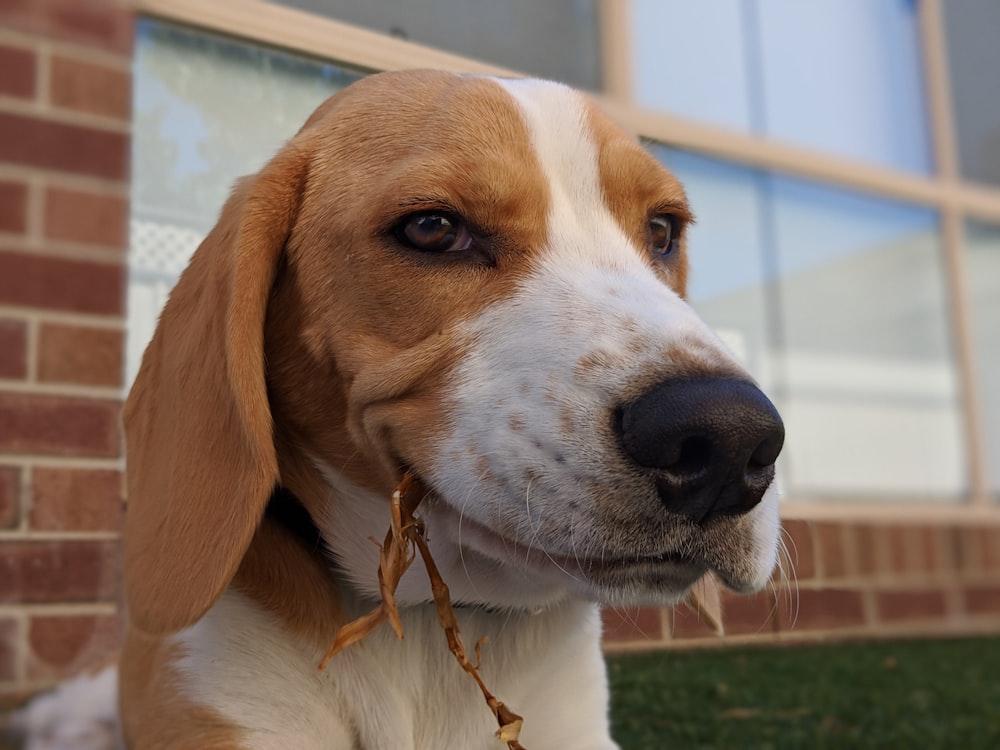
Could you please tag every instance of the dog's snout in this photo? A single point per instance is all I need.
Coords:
(710, 442)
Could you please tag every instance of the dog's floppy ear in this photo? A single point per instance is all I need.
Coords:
(200, 452)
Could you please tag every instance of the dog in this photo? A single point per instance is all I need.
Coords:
(480, 282)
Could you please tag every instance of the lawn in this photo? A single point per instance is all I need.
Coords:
(892, 694)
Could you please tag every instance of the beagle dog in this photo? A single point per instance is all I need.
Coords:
(480, 282)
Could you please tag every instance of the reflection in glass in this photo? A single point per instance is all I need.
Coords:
(836, 303)
(727, 271)
(983, 261)
(842, 76)
(206, 111)
(870, 389)
(556, 39)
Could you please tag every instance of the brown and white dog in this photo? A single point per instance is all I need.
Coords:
(480, 281)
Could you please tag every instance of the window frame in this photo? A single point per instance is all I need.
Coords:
(943, 190)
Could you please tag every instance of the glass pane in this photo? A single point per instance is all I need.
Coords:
(677, 69)
(845, 76)
(841, 76)
(870, 391)
(972, 28)
(206, 111)
(556, 39)
(984, 284)
(727, 272)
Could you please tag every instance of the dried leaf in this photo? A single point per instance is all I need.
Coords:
(405, 535)
(706, 601)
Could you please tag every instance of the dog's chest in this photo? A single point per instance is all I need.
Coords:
(411, 695)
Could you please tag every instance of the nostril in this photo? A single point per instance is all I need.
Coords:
(694, 456)
(767, 452)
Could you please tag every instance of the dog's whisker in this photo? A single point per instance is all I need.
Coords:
(787, 576)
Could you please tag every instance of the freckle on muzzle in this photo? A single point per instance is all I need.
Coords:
(710, 444)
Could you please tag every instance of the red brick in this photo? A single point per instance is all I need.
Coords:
(747, 615)
(9, 631)
(830, 543)
(865, 545)
(687, 623)
(10, 496)
(17, 72)
(103, 24)
(60, 284)
(935, 552)
(822, 609)
(58, 426)
(13, 349)
(35, 142)
(62, 646)
(86, 217)
(76, 500)
(86, 87)
(63, 571)
(990, 548)
(982, 600)
(966, 543)
(799, 541)
(897, 538)
(75, 354)
(632, 624)
(899, 606)
(13, 207)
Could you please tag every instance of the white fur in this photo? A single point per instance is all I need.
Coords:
(383, 694)
(79, 715)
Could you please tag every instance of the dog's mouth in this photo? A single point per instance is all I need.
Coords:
(670, 572)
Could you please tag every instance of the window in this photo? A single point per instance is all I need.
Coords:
(835, 301)
(841, 76)
(207, 110)
(557, 39)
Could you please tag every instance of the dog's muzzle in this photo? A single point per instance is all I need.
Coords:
(709, 443)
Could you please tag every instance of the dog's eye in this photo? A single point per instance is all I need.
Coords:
(434, 232)
(663, 234)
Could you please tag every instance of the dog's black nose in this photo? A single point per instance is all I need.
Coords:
(711, 443)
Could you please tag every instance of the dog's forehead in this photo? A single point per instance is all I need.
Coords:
(412, 113)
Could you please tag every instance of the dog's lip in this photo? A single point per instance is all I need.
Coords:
(474, 535)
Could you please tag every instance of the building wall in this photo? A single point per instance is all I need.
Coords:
(846, 580)
(64, 144)
(65, 88)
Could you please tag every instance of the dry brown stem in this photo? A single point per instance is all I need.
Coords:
(405, 535)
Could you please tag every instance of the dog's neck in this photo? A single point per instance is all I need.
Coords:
(285, 509)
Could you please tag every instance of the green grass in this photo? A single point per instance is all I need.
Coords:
(912, 694)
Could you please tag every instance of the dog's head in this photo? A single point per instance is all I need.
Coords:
(477, 280)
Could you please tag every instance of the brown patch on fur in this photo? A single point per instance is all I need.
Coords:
(596, 361)
(155, 715)
(635, 187)
(292, 582)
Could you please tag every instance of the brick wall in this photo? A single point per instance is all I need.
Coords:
(850, 580)
(64, 139)
(64, 145)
